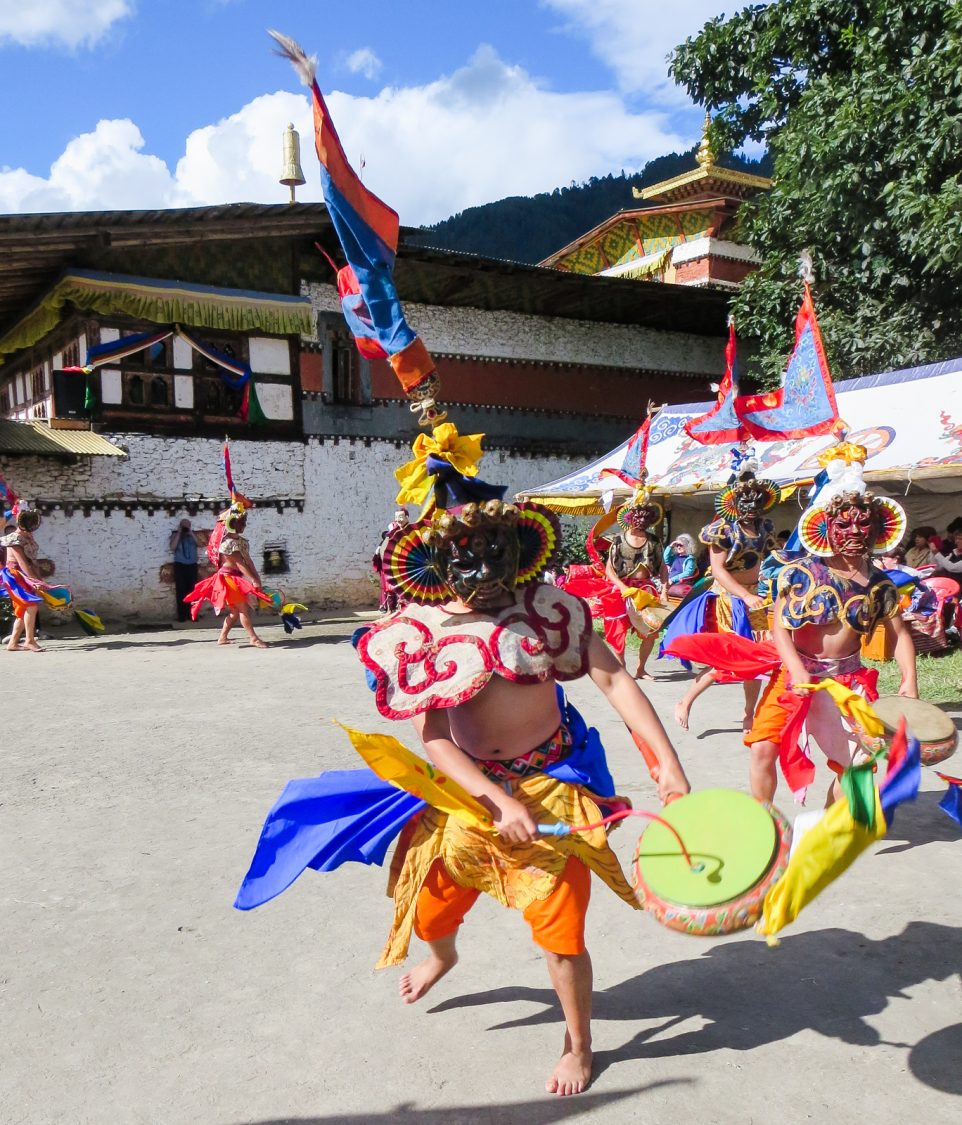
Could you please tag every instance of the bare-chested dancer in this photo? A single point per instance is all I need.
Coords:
(491, 722)
(236, 583)
(737, 540)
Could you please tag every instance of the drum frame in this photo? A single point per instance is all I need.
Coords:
(725, 917)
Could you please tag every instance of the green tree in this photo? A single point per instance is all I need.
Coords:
(860, 106)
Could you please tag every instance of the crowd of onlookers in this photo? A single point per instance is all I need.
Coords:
(930, 553)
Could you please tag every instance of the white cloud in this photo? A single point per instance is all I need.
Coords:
(238, 160)
(364, 61)
(104, 169)
(68, 23)
(634, 37)
(486, 131)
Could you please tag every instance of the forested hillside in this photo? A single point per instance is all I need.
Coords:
(528, 229)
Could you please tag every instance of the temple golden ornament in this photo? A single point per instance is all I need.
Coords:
(684, 233)
(292, 175)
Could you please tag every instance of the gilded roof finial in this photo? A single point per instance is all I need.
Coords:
(704, 156)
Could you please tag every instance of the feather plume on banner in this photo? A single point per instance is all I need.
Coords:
(804, 406)
(721, 424)
(367, 229)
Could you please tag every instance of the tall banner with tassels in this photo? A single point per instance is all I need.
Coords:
(804, 406)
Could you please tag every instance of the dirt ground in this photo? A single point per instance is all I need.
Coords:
(136, 771)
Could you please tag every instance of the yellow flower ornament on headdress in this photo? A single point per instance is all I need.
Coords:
(846, 451)
(462, 453)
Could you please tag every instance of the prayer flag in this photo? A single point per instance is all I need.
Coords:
(367, 229)
(804, 406)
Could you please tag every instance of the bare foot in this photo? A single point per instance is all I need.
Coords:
(224, 641)
(32, 646)
(258, 643)
(641, 674)
(13, 648)
(424, 976)
(681, 714)
(572, 1074)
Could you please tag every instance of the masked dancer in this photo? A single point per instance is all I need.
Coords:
(738, 539)
(828, 601)
(20, 579)
(235, 585)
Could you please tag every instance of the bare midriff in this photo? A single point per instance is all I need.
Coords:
(826, 642)
(746, 578)
(505, 720)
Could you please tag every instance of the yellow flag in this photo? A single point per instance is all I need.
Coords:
(850, 703)
(644, 598)
(461, 451)
(393, 762)
(823, 853)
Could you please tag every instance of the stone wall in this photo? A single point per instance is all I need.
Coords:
(509, 335)
(344, 487)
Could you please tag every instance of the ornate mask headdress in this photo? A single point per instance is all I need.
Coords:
(844, 518)
(641, 513)
(746, 496)
(474, 546)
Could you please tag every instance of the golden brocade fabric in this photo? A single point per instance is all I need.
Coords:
(757, 618)
(813, 594)
(515, 874)
(744, 550)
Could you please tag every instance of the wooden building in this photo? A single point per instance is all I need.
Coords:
(552, 367)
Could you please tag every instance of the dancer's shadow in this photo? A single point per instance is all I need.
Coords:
(920, 822)
(543, 1111)
(719, 730)
(747, 995)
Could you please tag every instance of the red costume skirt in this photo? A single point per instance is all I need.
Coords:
(226, 589)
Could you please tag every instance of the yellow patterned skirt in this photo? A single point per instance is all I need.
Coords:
(515, 874)
(722, 607)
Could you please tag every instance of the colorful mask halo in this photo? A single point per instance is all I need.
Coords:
(414, 559)
(726, 502)
(889, 517)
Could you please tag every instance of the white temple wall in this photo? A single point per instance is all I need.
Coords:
(552, 339)
(112, 562)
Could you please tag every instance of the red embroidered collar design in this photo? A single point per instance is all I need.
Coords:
(424, 656)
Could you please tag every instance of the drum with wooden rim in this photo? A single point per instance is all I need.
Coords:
(936, 732)
(739, 848)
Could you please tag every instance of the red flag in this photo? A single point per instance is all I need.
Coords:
(721, 423)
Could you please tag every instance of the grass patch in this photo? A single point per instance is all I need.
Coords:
(940, 677)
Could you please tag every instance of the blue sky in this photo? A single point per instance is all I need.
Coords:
(154, 103)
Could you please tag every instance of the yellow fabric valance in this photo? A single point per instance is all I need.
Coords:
(161, 302)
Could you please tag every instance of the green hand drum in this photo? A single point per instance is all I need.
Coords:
(739, 848)
(936, 732)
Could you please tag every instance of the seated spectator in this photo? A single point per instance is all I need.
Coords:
(682, 563)
(921, 553)
(892, 560)
(950, 563)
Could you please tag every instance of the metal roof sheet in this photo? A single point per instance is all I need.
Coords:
(38, 439)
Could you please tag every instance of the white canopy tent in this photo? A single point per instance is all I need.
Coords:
(909, 421)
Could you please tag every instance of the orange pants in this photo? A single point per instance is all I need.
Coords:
(770, 715)
(557, 922)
